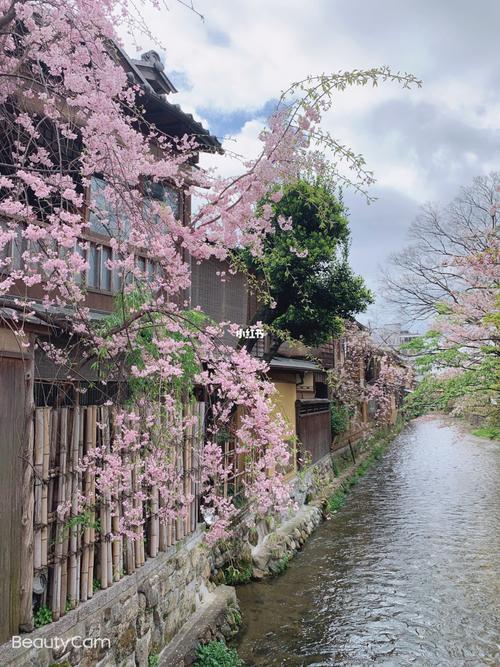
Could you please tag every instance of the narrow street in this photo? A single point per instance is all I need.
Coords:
(407, 573)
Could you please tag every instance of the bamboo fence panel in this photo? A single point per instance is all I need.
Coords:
(77, 552)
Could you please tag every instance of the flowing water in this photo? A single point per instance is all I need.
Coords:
(406, 573)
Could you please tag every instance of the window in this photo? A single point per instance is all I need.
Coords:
(104, 218)
(6, 248)
(12, 251)
(167, 194)
(98, 273)
(148, 269)
(141, 264)
(79, 249)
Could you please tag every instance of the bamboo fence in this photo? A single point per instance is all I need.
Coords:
(77, 554)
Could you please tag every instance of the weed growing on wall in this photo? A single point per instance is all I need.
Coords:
(217, 654)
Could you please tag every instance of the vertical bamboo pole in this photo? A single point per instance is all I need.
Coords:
(192, 466)
(103, 519)
(109, 546)
(45, 476)
(103, 547)
(176, 528)
(154, 523)
(200, 440)
(225, 459)
(84, 485)
(79, 534)
(135, 503)
(187, 473)
(162, 536)
(84, 575)
(38, 465)
(64, 495)
(168, 523)
(73, 488)
(129, 543)
(56, 567)
(117, 547)
(179, 524)
(92, 445)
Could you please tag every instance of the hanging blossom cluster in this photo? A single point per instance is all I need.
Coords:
(367, 373)
(69, 112)
(246, 412)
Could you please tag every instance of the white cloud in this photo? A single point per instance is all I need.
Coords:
(244, 146)
(422, 144)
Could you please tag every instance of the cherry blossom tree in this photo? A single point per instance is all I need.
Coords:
(68, 111)
(459, 356)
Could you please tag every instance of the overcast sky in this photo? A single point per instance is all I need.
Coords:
(422, 144)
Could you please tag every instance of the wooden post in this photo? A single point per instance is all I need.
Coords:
(28, 497)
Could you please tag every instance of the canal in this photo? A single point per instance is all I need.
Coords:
(406, 573)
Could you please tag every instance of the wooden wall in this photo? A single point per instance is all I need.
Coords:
(314, 428)
(12, 427)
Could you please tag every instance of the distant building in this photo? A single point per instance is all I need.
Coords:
(394, 336)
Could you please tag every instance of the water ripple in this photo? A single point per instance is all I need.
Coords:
(407, 573)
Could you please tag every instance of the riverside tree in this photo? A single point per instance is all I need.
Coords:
(68, 112)
(309, 287)
(459, 356)
(452, 274)
(424, 274)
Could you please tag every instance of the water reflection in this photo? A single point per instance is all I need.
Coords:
(407, 573)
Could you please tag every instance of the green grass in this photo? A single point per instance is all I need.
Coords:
(43, 617)
(237, 575)
(283, 564)
(336, 500)
(490, 432)
(217, 654)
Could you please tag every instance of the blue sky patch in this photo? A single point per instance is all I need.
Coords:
(225, 124)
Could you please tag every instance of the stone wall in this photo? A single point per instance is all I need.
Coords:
(138, 615)
(262, 547)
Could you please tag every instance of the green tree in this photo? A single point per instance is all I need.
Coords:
(304, 269)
